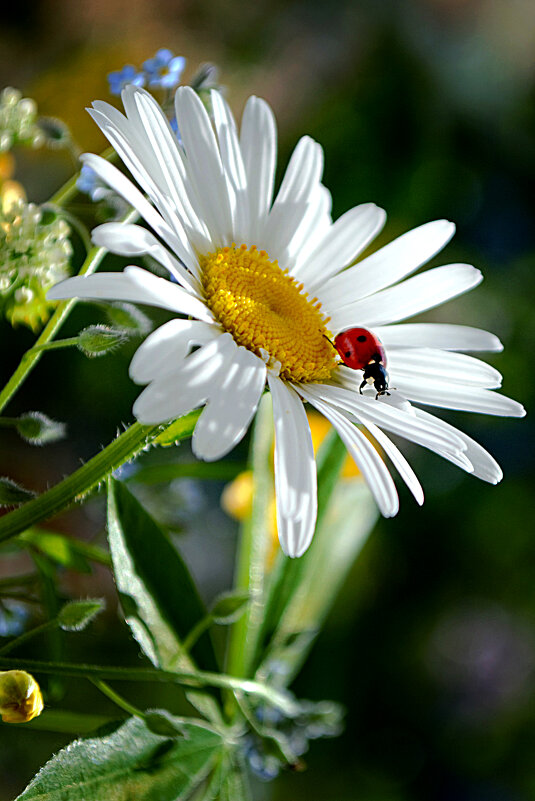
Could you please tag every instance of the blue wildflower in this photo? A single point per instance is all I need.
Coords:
(174, 125)
(90, 184)
(164, 70)
(128, 75)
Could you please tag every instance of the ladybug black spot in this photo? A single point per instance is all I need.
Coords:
(348, 354)
(362, 338)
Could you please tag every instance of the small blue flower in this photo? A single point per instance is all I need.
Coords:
(90, 184)
(128, 75)
(174, 125)
(164, 70)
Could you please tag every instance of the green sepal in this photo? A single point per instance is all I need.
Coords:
(38, 429)
(98, 340)
(13, 494)
(77, 615)
(229, 606)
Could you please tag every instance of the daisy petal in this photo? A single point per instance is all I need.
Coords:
(229, 412)
(437, 335)
(133, 240)
(422, 364)
(167, 346)
(484, 465)
(392, 418)
(391, 263)
(411, 297)
(163, 144)
(302, 176)
(115, 179)
(232, 160)
(204, 167)
(133, 285)
(366, 458)
(398, 460)
(313, 227)
(295, 469)
(194, 380)
(133, 153)
(458, 396)
(347, 237)
(258, 140)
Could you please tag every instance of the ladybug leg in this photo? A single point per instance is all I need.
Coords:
(362, 385)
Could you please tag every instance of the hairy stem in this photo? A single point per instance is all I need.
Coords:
(87, 478)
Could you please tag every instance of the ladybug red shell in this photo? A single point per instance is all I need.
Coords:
(358, 347)
(362, 350)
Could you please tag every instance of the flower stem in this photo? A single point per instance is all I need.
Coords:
(31, 357)
(65, 192)
(198, 629)
(58, 343)
(252, 551)
(28, 635)
(87, 478)
(201, 678)
(117, 699)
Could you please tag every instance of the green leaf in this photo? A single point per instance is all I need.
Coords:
(131, 763)
(174, 433)
(348, 517)
(229, 606)
(161, 722)
(302, 591)
(12, 494)
(161, 473)
(58, 547)
(77, 615)
(38, 429)
(159, 597)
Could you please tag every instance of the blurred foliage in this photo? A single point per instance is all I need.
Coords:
(426, 108)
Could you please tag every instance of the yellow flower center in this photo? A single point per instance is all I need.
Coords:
(266, 310)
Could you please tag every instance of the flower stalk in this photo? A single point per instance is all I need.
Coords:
(88, 477)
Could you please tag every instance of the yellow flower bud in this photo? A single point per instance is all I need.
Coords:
(20, 696)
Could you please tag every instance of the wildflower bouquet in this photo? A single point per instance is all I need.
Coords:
(273, 317)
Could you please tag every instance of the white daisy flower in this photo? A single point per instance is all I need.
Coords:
(266, 284)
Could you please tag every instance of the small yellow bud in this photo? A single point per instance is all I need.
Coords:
(20, 696)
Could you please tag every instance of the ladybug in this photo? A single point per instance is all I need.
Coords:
(362, 350)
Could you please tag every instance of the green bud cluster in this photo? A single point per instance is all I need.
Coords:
(18, 120)
(34, 255)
